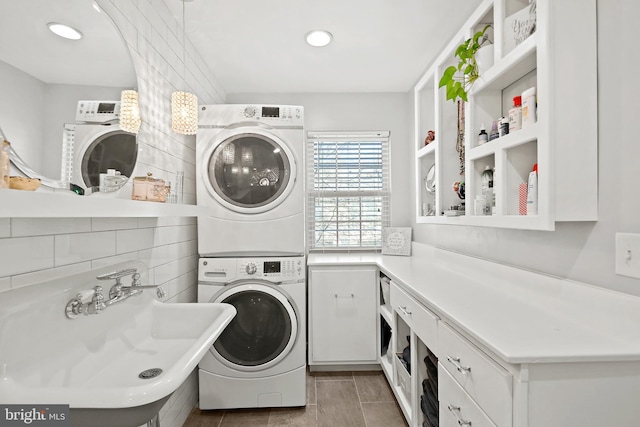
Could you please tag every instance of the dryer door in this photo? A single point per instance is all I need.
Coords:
(104, 147)
(249, 170)
(263, 331)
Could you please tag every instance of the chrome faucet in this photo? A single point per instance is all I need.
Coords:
(120, 292)
(93, 302)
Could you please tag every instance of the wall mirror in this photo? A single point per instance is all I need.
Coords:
(44, 78)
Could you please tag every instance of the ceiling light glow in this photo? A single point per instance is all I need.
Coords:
(319, 38)
(65, 31)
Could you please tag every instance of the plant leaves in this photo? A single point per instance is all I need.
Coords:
(447, 76)
(462, 94)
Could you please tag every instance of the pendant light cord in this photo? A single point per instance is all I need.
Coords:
(184, 44)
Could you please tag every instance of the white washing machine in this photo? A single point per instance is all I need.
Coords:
(260, 358)
(96, 143)
(250, 173)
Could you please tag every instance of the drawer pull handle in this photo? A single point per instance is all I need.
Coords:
(345, 296)
(403, 308)
(455, 410)
(455, 361)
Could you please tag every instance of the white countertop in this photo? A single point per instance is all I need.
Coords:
(522, 316)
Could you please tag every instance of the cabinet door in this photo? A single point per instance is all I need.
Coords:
(343, 307)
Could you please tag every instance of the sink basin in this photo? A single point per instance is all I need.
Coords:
(93, 362)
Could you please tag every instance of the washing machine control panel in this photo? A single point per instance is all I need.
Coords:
(272, 269)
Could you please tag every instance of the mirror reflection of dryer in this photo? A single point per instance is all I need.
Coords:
(97, 144)
(249, 171)
(260, 358)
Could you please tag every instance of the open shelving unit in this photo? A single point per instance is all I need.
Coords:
(29, 204)
(563, 142)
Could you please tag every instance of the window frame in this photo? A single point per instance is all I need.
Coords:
(384, 193)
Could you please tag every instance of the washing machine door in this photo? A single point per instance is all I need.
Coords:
(263, 331)
(249, 169)
(107, 147)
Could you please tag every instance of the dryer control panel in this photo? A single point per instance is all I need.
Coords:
(97, 111)
(273, 269)
(272, 115)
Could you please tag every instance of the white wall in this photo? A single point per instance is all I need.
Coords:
(354, 112)
(35, 250)
(23, 97)
(581, 251)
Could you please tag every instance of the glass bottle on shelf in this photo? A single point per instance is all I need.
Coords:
(487, 189)
(4, 164)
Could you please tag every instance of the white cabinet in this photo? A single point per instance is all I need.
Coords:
(559, 59)
(478, 378)
(540, 352)
(413, 378)
(343, 315)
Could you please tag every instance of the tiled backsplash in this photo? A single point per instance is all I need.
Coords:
(34, 250)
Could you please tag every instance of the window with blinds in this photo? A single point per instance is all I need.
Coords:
(348, 189)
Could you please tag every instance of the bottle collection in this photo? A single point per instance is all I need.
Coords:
(521, 116)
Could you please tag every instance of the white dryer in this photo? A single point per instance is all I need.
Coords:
(250, 173)
(96, 143)
(260, 358)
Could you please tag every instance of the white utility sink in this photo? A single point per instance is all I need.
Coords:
(93, 362)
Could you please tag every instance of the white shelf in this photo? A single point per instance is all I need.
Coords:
(386, 367)
(511, 140)
(29, 204)
(427, 150)
(517, 63)
(386, 314)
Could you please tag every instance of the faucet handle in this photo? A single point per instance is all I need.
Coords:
(136, 279)
(97, 302)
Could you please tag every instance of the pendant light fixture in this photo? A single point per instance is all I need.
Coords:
(129, 111)
(184, 105)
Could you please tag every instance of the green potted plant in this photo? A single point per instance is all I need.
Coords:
(459, 79)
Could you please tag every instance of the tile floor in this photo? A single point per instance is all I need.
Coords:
(334, 399)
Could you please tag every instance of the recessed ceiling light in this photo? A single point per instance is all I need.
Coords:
(319, 38)
(64, 31)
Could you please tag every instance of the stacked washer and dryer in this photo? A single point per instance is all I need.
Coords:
(249, 173)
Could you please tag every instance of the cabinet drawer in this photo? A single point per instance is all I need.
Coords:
(490, 385)
(457, 409)
(422, 321)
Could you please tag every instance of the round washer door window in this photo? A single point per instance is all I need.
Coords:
(251, 172)
(263, 330)
(112, 150)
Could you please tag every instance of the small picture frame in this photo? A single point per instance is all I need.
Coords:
(396, 241)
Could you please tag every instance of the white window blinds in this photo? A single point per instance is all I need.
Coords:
(348, 189)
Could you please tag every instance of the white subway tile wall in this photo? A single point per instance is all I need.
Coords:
(36, 250)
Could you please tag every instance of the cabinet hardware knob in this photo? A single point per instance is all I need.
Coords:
(456, 411)
(403, 308)
(455, 361)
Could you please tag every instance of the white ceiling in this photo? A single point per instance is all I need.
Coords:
(378, 46)
(100, 58)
